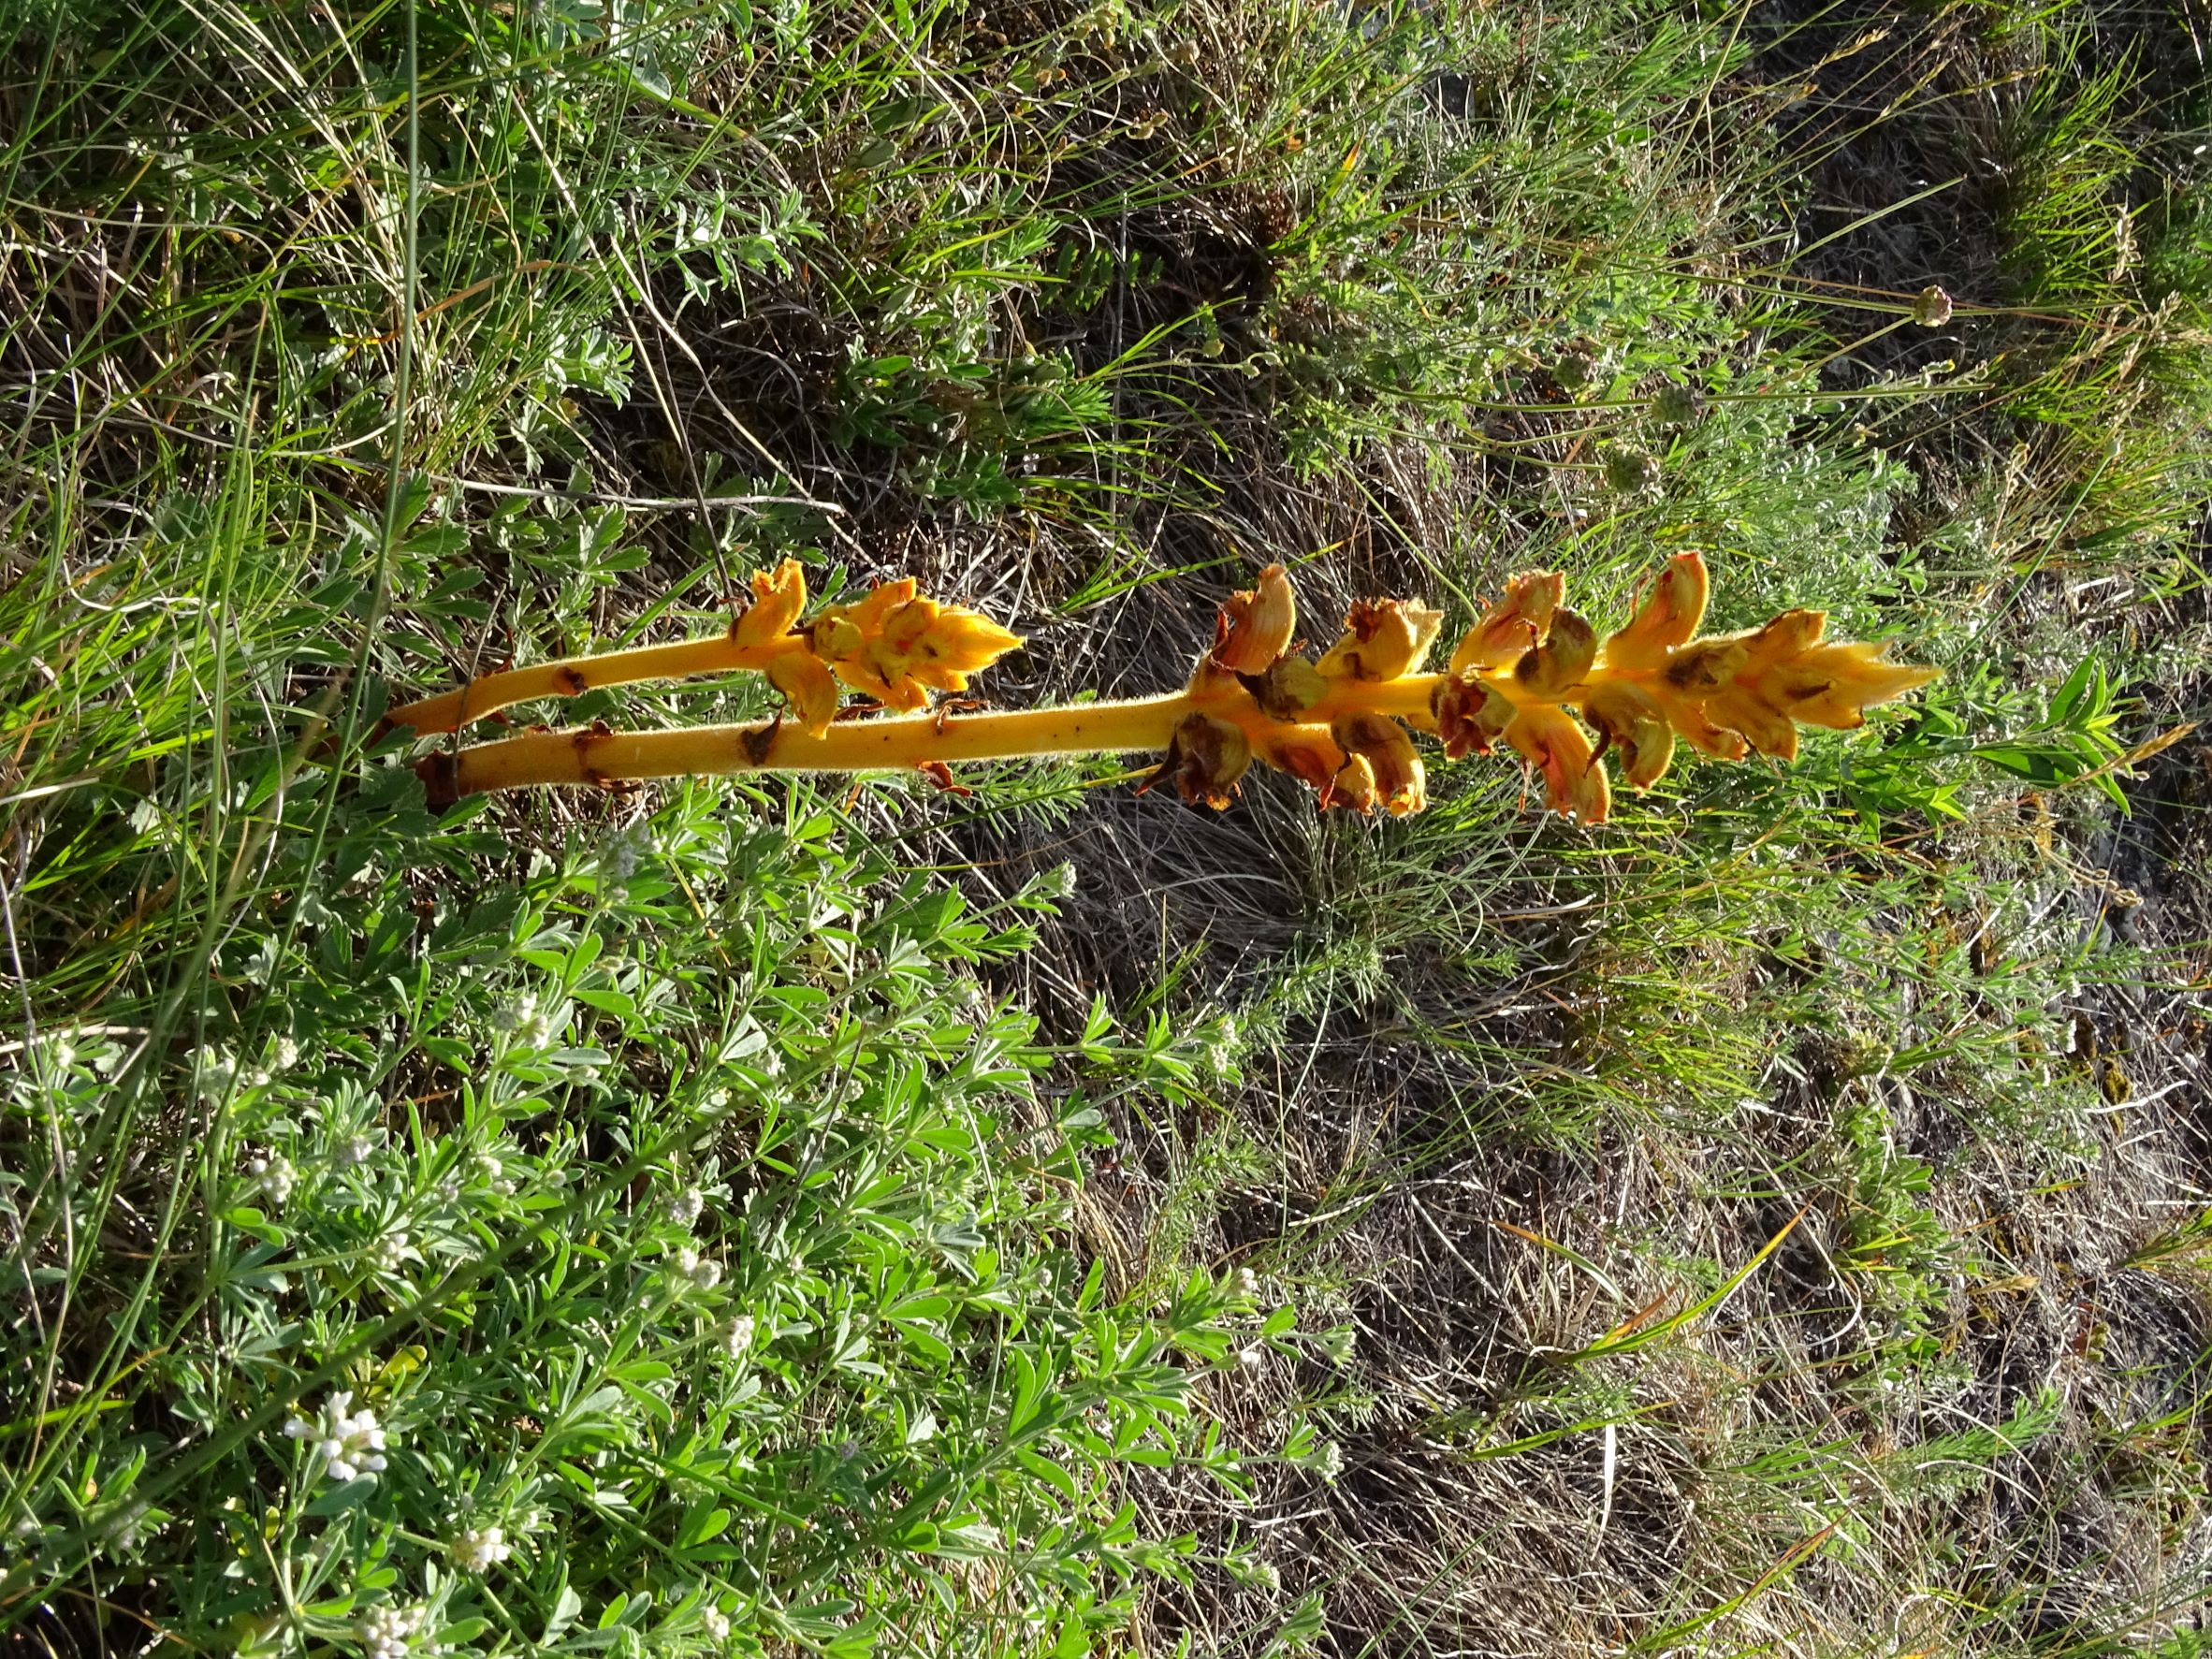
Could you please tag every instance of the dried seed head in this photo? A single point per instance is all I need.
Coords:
(1931, 307)
(1678, 405)
(1632, 472)
(1256, 626)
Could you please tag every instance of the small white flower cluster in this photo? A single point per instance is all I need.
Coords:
(273, 1177)
(494, 1173)
(390, 1251)
(1247, 1282)
(355, 1150)
(685, 1207)
(213, 1072)
(1329, 1464)
(737, 1335)
(478, 1549)
(715, 1623)
(389, 1633)
(531, 1026)
(349, 1442)
(703, 1272)
(1253, 1357)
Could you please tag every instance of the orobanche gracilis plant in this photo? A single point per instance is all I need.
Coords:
(1519, 677)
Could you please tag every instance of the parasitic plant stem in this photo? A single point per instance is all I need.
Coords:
(1520, 676)
(488, 693)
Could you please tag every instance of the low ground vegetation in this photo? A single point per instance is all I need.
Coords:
(775, 1217)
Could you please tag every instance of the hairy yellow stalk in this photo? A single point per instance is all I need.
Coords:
(451, 710)
(892, 743)
(1519, 677)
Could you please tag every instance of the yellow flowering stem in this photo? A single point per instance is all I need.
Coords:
(888, 744)
(451, 710)
(892, 743)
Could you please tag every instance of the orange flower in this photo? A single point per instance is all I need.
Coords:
(1308, 753)
(805, 681)
(1631, 724)
(1393, 774)
(1353, 787)
(899, 647)
(777, 602)
(1667, 619)
(1383, 639)
(1256, 626)
(1556, 747)
(1515, 622)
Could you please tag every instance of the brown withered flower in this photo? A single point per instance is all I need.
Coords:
(1205, 760)
(1471, 717)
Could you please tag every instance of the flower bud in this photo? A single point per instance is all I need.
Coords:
(897, 646)
(1256, 626)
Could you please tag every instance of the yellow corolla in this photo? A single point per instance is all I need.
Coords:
(897, 646)
(778, 602)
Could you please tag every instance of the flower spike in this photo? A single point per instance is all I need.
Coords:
(1519, 677)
